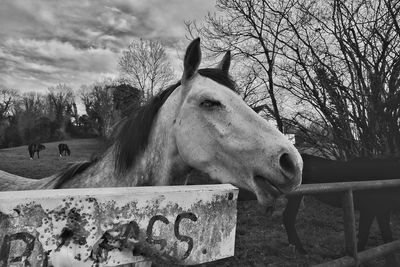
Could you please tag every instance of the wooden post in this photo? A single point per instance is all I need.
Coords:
(350, 225)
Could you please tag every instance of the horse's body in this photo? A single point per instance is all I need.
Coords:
(370, 203)
(199, 123)
(35, 148)
(63, 150)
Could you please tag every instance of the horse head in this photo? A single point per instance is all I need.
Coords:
(216, 132)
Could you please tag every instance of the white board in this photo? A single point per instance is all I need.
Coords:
(112, 226)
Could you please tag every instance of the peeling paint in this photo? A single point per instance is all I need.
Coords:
(190, 226)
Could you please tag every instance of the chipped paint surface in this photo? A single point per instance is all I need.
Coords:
(79, 227)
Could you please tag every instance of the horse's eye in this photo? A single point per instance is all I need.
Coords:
(210, 104)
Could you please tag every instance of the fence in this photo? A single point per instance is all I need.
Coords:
(178, 224)
(353, 258)
(181, 224)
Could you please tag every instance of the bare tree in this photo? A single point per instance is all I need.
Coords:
(30, 107)
(251, 30)
(393, 7)
(343, 60)
(250, 88)
(32, 103)
(340, 59)
(8, 97)
(145, 65)
(99, 105)
(61, 100)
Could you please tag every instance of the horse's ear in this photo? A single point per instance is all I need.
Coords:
(192, 60)
(225, 62)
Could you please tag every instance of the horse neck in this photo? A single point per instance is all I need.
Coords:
(159, 164)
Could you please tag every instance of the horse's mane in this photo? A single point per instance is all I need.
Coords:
(132, 136)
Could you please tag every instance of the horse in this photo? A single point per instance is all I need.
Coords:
(199, 123)
(32, 148)
(370, 203)
(63, 150)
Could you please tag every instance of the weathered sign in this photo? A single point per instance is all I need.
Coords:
(113, 226)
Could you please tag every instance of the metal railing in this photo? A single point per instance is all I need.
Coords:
(352, 258)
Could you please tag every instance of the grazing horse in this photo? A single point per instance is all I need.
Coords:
(370, 203)
(199, 123)
(63, 149)
(32, 148)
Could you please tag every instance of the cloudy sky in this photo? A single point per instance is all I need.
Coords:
(45, 42)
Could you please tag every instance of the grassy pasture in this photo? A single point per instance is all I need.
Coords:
(16, 160)
(260, 239)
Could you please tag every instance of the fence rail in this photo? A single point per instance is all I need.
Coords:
(308, 189)
(353, 258)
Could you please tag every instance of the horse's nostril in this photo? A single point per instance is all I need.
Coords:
(287, 164)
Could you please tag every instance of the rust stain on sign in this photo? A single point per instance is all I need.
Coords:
(112, 226)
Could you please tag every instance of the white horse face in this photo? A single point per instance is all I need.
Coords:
(217, 133)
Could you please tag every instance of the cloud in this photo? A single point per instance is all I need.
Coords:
(44, 42)
(54, 61)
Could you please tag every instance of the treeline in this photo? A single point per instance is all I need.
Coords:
(34, 117)
(30, 117)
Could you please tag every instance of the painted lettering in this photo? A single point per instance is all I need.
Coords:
(183, 238)
(122, 236)
(5, 256)
(149, 232)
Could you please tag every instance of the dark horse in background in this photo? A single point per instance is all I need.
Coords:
(371, 203)
(63, 149)
(35, 148)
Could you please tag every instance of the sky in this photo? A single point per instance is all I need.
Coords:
(77, 42)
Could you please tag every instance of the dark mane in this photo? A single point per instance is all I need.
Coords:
(218, 76)
(133, 135)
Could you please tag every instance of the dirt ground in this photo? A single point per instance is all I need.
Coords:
(260, 239)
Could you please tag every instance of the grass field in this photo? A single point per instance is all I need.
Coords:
(260, 239)
(16, 160)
